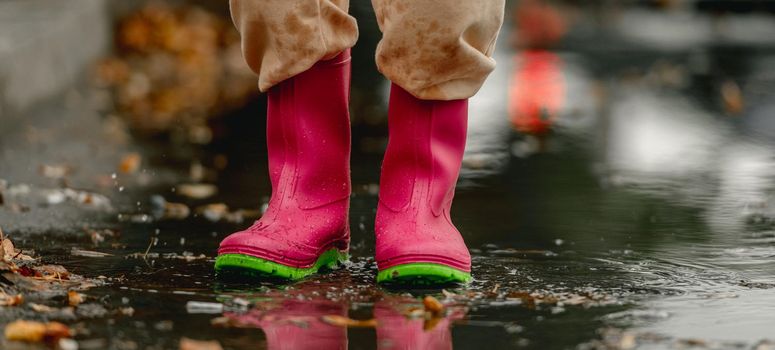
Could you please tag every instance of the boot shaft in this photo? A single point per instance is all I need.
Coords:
(424, 153)
(308, 135)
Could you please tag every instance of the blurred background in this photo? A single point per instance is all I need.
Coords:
(616, 192)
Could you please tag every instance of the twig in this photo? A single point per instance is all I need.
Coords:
(148, 250)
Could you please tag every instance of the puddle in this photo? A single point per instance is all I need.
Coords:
(641, 219)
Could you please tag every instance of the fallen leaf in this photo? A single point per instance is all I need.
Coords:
(341, 321)
(192, 344)
(213, 212)
(11, 300)
(40, 307)
(433, 305)
(54, 171)
(10, 252)
(74, 298)
(732, 97)
(99, 236)
(57, 272)
(35, 332)
(197, 191)
(628, 341)
(178, 211)
(431, 323)
(130, 163)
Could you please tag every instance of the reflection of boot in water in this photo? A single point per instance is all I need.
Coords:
(297, 325)
(397, 331)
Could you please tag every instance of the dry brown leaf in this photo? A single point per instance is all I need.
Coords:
(213, 212)
(430, 324)
(35, 332)
(192, 344)
(628, 341)
(51, 272)
(177, 211)
(41, 308)
(197, 191)
(8, 249)
(433, 305)
(74, 298)
(11, 300)
(10, 252)
(55, 171)
(341, 321)
(130, 163)
(732, 97)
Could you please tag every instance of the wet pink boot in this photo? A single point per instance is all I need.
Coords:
(416, 240)
(306, 226)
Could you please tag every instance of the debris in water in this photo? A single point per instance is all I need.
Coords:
(67, 344)
(74, 298)
(627, 341)
(36, 332)
(341, 321)
(98, 236)
(10, 300)
(213, 212)
(186, 256)
(197, 191)
(127, 311)
(55, 171)
(732, 98)
(433, 305)
(10, 253)
(169, 210)
(201, 307)
(217, 212)
(41, 308)
(55, 272)
(192, 344)
(88, 253)
(88, 199)
(130, 163)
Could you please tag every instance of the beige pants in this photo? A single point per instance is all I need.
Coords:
(435, 49)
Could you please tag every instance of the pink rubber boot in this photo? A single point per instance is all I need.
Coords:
(416, 240)
(308, 138)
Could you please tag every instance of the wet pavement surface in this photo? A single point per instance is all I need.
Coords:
(643, 219)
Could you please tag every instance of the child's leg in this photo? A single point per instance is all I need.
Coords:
(305, 228)
(437, 53)
(282, 38)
